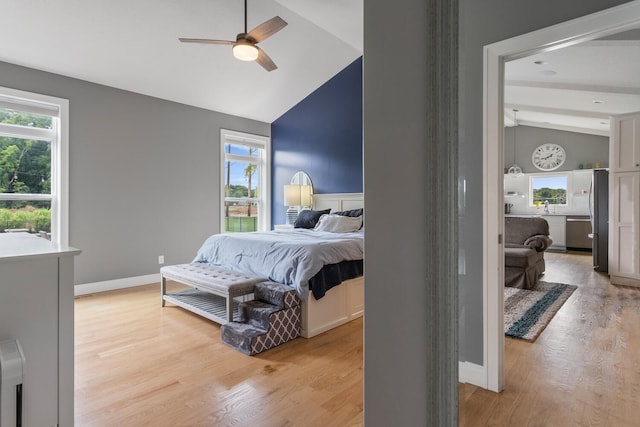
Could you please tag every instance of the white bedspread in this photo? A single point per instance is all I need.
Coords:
(291, 257)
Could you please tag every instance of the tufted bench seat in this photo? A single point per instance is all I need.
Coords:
(213, 289)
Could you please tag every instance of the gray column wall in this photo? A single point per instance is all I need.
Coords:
(144, 174)
(410, 143)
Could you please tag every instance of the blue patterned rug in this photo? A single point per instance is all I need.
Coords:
(528, 311)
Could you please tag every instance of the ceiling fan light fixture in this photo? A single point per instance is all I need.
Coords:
(245, 51)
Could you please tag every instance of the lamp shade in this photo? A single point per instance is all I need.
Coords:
(292, 195)
(306, 193)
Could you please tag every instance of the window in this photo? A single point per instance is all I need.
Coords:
(245, 182)
(34, 164)
(548, 188)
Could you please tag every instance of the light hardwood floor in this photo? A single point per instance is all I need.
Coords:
(138, 364)
(583, 370)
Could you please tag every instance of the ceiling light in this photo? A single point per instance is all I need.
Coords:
(515, 171)
(245, 51)
(597, 101)
(548, 72)
(540, 62)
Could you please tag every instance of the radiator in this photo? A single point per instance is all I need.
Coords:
(11, 373)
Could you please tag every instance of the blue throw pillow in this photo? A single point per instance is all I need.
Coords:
(351, 213)
(309, 219)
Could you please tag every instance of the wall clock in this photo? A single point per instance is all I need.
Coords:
(548, 157)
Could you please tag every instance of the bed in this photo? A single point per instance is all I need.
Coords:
(342, 303)
(325, 268)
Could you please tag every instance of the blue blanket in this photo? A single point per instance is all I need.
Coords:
(291, 257)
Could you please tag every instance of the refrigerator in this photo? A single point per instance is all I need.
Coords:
(599, 215)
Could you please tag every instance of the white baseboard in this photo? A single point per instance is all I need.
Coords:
(471, 373)
(110, 285)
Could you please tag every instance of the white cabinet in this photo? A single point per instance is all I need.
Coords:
(625, 143)
(624, 212)
(557, 231)
(624, 259)
(36, 308)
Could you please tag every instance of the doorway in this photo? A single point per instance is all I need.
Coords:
(567, 34)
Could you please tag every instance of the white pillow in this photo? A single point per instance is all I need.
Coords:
(338, 223)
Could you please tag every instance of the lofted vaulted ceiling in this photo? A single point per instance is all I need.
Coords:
(133, 45)
(576, 88)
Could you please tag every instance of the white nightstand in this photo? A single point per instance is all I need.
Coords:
(283, 227)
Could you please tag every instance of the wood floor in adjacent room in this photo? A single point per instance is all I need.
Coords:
(138, 364)
(583, 370)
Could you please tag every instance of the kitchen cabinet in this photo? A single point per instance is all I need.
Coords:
(624, 262)
(557, 231)
(36, 309)
(625, 143)
(624, 212)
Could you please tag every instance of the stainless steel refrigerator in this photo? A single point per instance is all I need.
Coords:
(599, 213)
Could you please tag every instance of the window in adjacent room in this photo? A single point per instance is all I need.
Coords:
(245, 182)
(549, 188)
(34, 164)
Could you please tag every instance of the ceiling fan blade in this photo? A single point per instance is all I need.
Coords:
(267, 29)
(206, 41)
(265, 61)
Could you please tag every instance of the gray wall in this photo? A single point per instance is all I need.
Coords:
(483, 23)
(580, 148)
(144, 174)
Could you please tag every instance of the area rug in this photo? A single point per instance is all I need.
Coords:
(528, 311)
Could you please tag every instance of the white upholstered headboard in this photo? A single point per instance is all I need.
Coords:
(338, 201)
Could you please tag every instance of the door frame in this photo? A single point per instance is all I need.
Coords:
(589, 27)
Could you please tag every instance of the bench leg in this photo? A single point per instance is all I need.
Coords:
(229, 308)
(163, 289)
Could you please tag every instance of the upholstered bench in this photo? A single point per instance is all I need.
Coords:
(213, 289)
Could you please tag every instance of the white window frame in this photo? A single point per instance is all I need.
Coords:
(548, 175)
(58, 108)
(264, 166)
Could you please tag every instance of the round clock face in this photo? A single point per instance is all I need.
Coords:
(548, 157)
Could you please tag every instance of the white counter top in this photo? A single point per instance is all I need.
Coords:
(543, 215)
(24, 245)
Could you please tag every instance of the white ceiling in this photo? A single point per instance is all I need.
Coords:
(133, 45)
(576, 88)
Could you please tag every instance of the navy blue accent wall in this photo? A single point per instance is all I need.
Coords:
(322, 136)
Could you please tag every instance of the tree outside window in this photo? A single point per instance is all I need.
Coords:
(550, 189)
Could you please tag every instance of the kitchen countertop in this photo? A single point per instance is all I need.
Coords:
(15, 246)
(534, 215)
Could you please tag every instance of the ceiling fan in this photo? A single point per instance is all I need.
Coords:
(245, 48)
